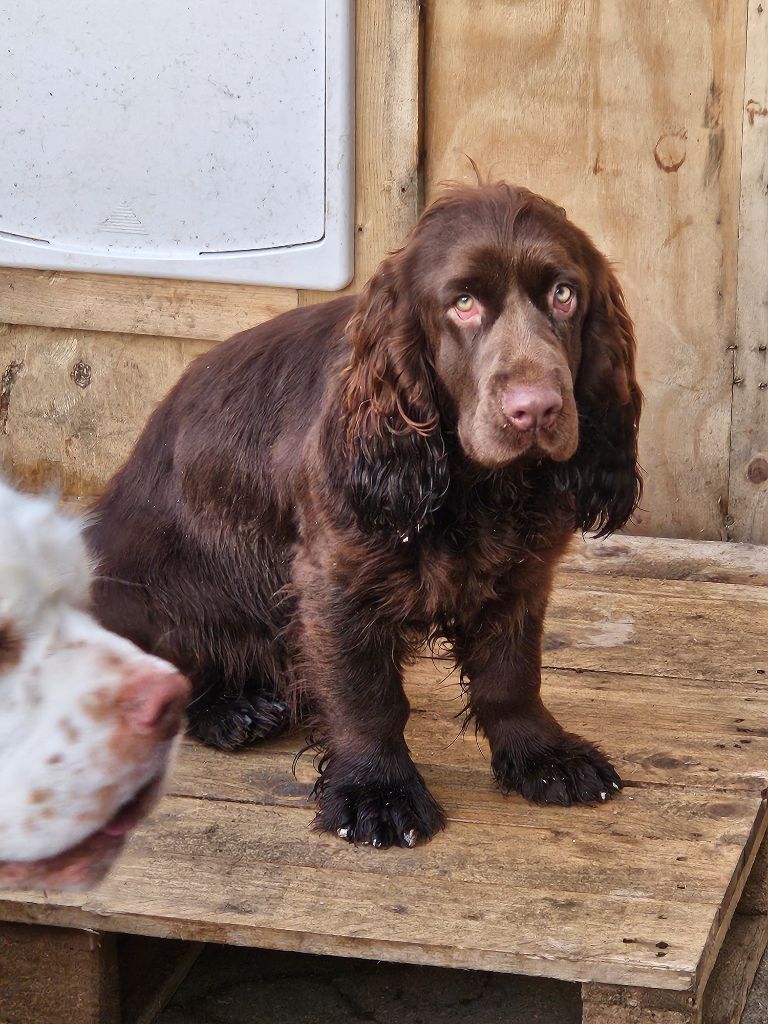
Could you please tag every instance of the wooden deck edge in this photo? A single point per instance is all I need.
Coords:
(729, 983)
(724, 996)
(655, 976)
(732, 898)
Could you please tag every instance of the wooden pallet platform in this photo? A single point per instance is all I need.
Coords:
(656, 649)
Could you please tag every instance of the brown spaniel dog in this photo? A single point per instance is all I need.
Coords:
(320, 495)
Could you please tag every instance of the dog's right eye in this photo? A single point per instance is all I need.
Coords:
(466, 307)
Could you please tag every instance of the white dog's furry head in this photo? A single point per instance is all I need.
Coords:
(87, 720)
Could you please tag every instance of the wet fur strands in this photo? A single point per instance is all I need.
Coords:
(319, 496)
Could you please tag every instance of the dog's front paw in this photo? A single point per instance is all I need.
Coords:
(565, 771)
(377, 811)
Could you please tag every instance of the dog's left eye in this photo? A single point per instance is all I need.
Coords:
(564, 298)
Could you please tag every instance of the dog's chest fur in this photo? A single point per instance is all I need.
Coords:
(484, 547)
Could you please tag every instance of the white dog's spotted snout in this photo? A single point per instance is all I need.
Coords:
(89, 721)
(153, 701)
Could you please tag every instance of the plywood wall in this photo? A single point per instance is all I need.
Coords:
(631, 115)
(749, 435)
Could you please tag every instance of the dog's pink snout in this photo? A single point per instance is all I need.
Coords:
(155, 701)
(531, 408)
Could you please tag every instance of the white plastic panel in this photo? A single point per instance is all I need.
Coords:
(207, 141)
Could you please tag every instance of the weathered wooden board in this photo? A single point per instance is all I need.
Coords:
(703, 561)
(722, 999)
(242, 873)
(673, 801)
(629, 115)
(639, 891)
(136, 305)
(732, 977)
(748, 495)
(659, 627)
(53, 975)
(77, 401)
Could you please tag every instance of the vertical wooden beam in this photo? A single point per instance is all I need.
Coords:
(618, 1004)
(151, 971)
(748, 485)
(57, 976)
(387, 134)
(626, 1005)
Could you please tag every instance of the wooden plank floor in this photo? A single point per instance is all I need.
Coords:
(669, 674)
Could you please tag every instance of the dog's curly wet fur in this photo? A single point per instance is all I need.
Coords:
(323, 493)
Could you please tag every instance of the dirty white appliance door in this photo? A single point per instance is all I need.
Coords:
(168, 138)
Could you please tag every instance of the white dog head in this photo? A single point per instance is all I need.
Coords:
(87, 720)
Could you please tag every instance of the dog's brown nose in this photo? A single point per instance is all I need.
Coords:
(531, 408)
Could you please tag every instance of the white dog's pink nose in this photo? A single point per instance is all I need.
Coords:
(531, 408)
(155, 701)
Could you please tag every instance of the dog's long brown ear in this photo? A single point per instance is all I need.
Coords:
(603, 476)
(398, 470)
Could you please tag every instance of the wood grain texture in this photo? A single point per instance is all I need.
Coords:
(728, 987)
(724, 997)
(627, 625)
(748, 496)
(608, 1004)
(629, 115)
(703, 561)
(638, 891)
(755, 898)
(387, 185)
(57, 976)
(78, 401)
(136, 305)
